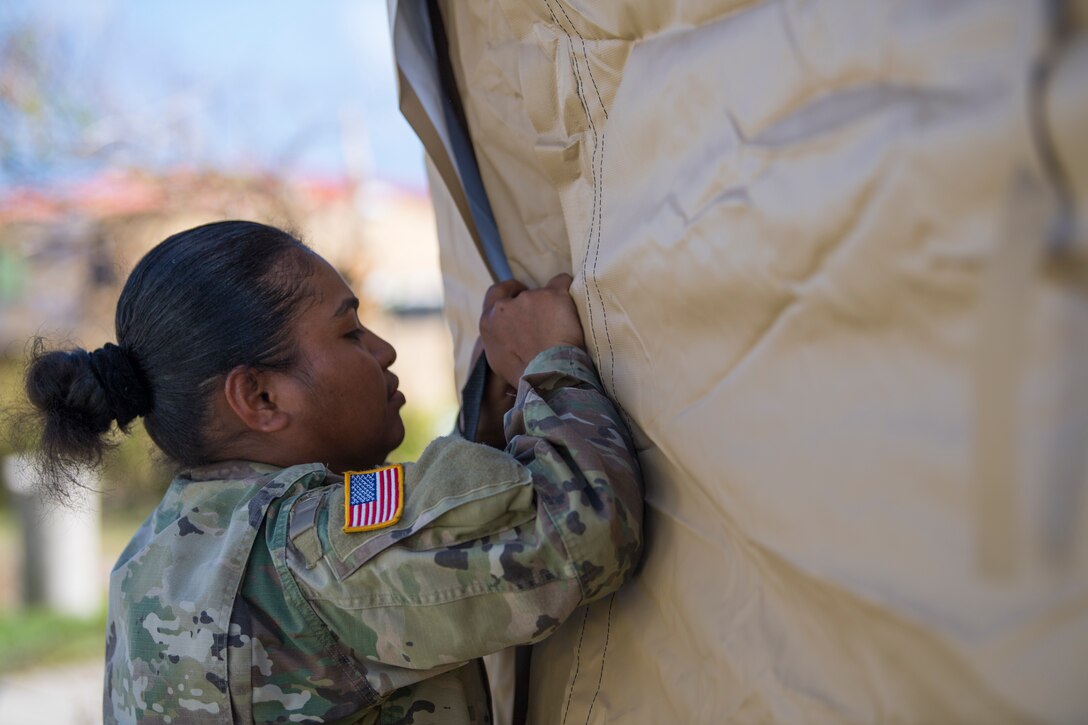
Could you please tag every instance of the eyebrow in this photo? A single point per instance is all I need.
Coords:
(351, 303)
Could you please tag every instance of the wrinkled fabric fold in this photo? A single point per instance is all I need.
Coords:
(783, 220)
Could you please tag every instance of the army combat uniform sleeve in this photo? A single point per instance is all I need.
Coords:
(493, 548)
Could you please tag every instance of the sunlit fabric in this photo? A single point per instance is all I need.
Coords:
(814, 254)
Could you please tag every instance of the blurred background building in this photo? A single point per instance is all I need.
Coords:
(122, 122)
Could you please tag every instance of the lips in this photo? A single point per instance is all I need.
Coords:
(391, 386)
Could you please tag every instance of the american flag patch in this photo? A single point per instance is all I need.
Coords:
(373, 499)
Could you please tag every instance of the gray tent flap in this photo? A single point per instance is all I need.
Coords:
(426, 103)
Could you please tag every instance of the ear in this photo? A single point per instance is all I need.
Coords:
(252, 395)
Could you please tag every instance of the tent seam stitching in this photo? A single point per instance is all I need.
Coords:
(594, 239)
(604, 655)
(577, 663)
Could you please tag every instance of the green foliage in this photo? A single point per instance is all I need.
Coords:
(421, 426)
(10, 394)
(36, 637)
(11, 391)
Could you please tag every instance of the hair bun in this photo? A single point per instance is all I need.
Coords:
(127, 393)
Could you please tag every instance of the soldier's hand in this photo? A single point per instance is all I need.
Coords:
(517, 323)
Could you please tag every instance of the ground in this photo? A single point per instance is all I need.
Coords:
(68, 694)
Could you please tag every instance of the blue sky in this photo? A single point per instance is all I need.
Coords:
(304, 88)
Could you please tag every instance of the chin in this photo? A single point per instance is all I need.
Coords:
(396, 439)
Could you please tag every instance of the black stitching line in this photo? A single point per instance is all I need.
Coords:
(597, 167)
(589, 300)
(598, 181)
(577, 663)
(604, 654)
(599, 209)
(596, 283)
(585, 55)
(577, 66)
(586, 272)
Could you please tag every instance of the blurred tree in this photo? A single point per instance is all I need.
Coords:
(42, 120)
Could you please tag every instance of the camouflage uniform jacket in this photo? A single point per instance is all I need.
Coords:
(241, 597)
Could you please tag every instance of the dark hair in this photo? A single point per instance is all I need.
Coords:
(196, 306)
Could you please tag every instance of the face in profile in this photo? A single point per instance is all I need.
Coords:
(348, 412)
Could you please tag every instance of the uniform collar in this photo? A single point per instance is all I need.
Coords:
(228, 470)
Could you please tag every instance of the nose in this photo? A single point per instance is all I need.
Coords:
(382, 351)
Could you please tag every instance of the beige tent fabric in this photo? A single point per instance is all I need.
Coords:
(785, 220)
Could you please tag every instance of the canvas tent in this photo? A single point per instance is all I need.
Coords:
(830, 260)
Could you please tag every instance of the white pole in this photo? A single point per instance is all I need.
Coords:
(61, 542)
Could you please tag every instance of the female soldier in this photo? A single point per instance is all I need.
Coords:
(272, 583)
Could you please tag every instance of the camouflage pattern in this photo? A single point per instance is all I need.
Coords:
(173, 590)
(493, 549)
